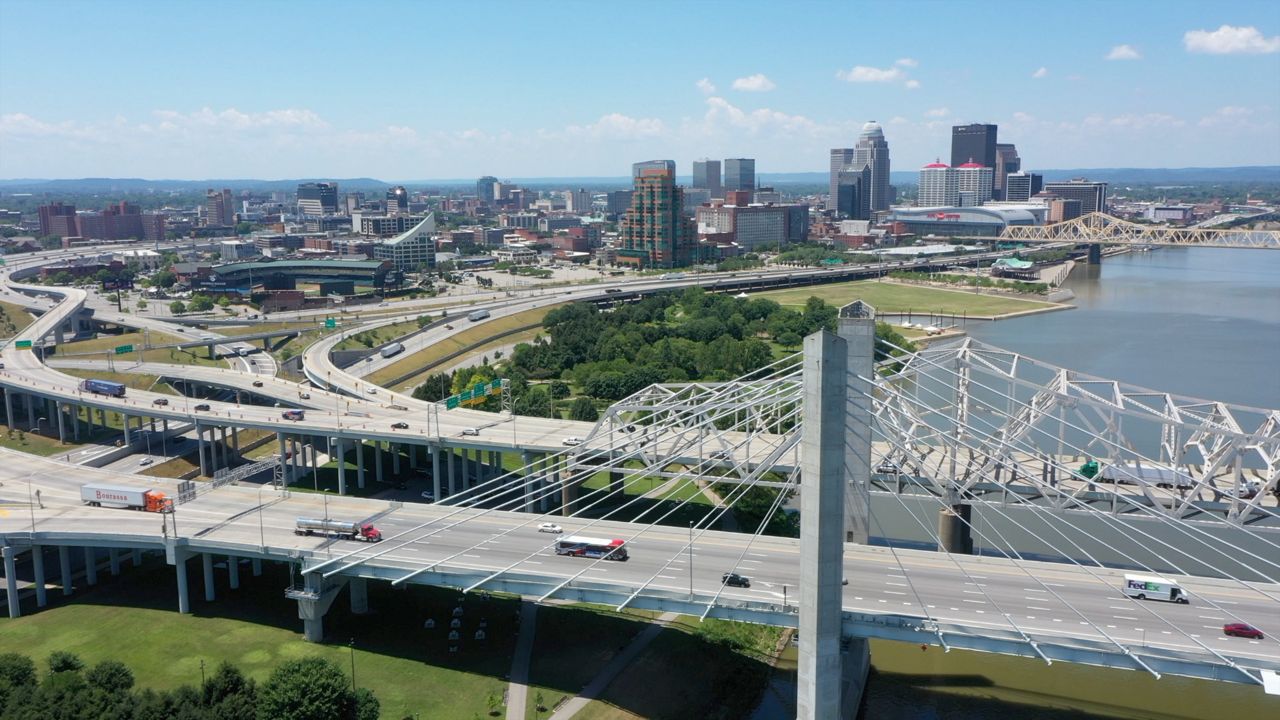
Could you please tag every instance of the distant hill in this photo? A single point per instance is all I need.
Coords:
(1172, 176)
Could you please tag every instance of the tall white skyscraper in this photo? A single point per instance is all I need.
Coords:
(973, 183)
(937, 185)
(873, 150)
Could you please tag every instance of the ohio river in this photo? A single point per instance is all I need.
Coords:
(1198, 322)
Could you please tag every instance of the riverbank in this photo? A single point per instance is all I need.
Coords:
(894, 298)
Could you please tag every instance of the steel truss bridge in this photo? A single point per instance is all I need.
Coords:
(1100, 228)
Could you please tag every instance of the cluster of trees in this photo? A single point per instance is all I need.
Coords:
(1017, 286)
(198, 303)
(305, 689)
(744, 262)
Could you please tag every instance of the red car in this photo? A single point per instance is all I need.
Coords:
(1242, 630)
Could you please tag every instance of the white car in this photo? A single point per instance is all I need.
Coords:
(146, 461)
(470, 431)
(372, 391)
(550, 528)
(571, 441)
(428, 496)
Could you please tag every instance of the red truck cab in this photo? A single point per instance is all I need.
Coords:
(370, 533)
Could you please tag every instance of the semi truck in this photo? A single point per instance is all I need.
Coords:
(102, 387)
(478, 315)
(392, 349)
(339, 528)
(123, 496)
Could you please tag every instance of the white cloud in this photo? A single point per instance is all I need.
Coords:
(1144, 121)
(754, 83)
(619, 127)
(906, 62)
(937, 112)
(1124, 52)
(898, 120)
(867, 74)
(1022, 117)
(706, 86)
(1042, 72)
(911, 84)
(1227, 115)
(721, 112)
(1231, 40)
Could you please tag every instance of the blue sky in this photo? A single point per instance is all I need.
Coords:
(415, 90)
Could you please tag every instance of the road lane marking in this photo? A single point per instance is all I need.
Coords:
(979, 602)
(893, 592)
(1124, 617)
(1043, 609)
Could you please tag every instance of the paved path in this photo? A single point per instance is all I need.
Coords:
(518, 687)
(596, 687)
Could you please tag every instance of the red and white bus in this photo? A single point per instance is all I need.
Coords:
(579, 546)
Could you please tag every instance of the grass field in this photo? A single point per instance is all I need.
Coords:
(29, 442)
(104, 343)
(13, 318)
(890, 297)
(440, 350)
(380, 335)
(134, 620)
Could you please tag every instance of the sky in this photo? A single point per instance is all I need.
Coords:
(274, 89)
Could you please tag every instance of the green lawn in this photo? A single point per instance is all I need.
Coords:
(13, 318)
(891, 297)
(104, 343)
(433, 354)
(135, 620)
(378, 336)
(570, 645)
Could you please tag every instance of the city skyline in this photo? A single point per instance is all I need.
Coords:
(1138, 90)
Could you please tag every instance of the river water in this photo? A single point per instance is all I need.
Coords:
(1198, 322)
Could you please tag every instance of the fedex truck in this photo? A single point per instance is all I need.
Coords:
(1145, 587)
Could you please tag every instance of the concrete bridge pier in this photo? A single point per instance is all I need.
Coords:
(257, 567)
(206, 562)
(339, 448)
(359, 595)
(128, 434)
(314, 600)
(435, 471)
(177, 557)
(37, 571)
(8, 408)
(62, 423)
(204, 467)
(113, 557)
(377, 461)
(395, 458)
(233, 572)
(137, 558)
(1095, 254)
(31, 412)
(954, 529)
(453, 473)
(64, 568)
(413, 455)
(91, 566)
(11, 582)
(360, 464)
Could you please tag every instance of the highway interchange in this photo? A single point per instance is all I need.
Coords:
(1041, 599)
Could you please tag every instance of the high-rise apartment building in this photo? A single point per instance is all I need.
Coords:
(740, 174)
(841, 158)
(975, 142)
(577, 201)
(854, 193)
(219, 209)
(1020, 186)
(706, 176)
(638, 169)
(484, 189)
(1007, 161)
(973, 183)
(655, 231)
(617, 201)
(58, 219)
(937, 185)
(1092, 195)
(317, 198)
(873, 151)
(397, 201)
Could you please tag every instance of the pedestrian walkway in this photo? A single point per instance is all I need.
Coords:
(596, 687)
(518, 686)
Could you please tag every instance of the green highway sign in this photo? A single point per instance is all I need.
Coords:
(330, 323)
(23, 344)
(451, 402)
(122, 349)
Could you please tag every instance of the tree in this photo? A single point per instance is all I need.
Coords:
(307, 689)
(142, 304)
(583, 410)
(110, 676)
(201, 303)
(244, 228)
(559, 389)
(536, 402)
(164, 279)
(367, 705)
(224, 301)
(229, 694)
(493, 702)
(17, 670)
(789, 339)
(434, 388)
(177, 307)
(63, 661)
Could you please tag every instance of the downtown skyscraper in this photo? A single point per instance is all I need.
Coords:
(873, 151)
(740, 174)
(655, 231)
(706, 176)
